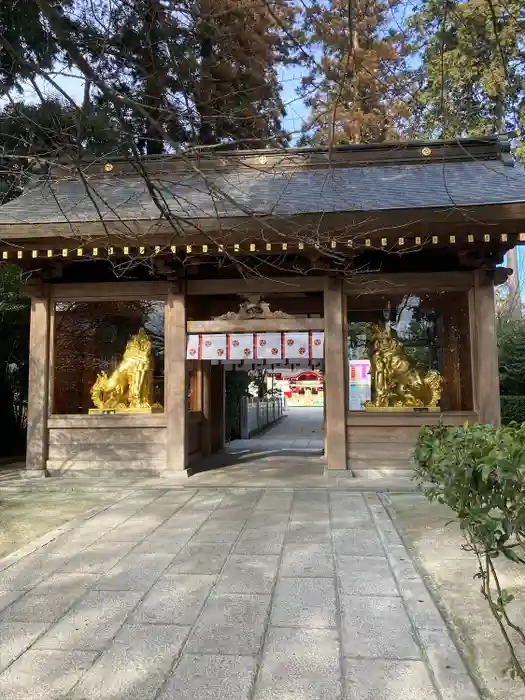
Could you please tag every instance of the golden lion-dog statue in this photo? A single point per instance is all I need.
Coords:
(128, 387)
(397, 382)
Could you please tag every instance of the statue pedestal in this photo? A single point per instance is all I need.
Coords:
(403, 409)
(123, 411)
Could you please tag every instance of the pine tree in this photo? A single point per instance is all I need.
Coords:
(472, 74)
(357, 89)
(206, 71)
(26, 42)
(237, 94)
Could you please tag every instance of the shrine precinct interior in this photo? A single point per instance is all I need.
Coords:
(425, 270)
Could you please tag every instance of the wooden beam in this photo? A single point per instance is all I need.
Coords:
(276, 285)
(336, 384)
(38, 390)
(175, 378)
(414, 419)
(117, 291)
(485, 350)
(113, 421)
(409, 282)
(270, 325)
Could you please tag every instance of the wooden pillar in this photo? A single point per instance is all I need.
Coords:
(206, 409)
(335, 351)
(175, 374)
(38, 389)
(484, 344)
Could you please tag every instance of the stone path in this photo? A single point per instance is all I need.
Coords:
(300, 430)
(232, 594)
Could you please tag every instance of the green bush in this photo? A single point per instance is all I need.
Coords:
(479, 472)
(512, 409)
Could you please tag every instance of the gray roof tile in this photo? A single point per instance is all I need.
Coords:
(253, 192)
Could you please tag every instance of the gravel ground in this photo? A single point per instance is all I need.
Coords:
(26, 516)
(448, 571)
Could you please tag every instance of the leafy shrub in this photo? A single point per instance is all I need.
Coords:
(479, 472)
(512, 409)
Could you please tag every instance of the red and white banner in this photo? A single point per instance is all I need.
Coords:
(239, 346)
(296, 346)
(250, 347)
(316, 345)
(213, 346)
(268, 346)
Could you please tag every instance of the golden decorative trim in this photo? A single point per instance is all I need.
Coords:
(20, 253)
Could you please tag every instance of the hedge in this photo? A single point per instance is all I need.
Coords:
(512, 409)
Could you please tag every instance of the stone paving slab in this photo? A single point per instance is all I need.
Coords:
(241, 594)
(304, 602)
(44, 674)
(49, 607)
(231, 624)
(15, 638)
(245, 573)
(310, 560)
(377, 627)
(91, 624)
(135, 666)
(359, 575)
(200, 558)
(211, 677)
(176, 600)
(302, 664)
(377, 679)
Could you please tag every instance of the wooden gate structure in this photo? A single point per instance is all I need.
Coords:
(408, 236)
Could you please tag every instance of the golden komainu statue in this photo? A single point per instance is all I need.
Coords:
(397, 383)
(128, 387)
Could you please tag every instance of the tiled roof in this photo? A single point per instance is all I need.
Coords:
(250, 191)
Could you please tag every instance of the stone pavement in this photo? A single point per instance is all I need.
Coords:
(299, 431)
(231, 594)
